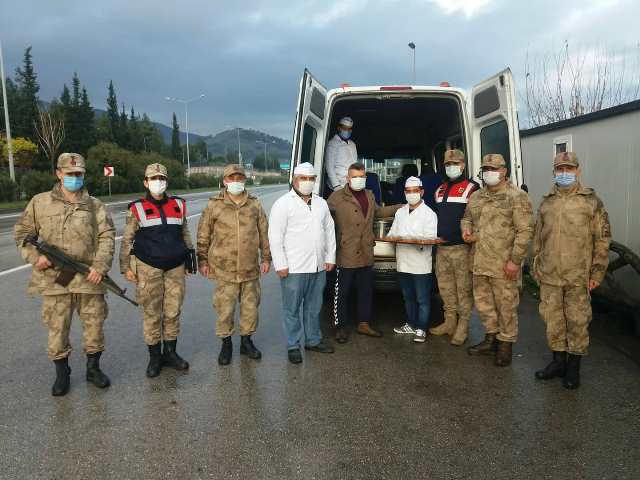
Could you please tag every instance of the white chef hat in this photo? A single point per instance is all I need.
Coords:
(305, 169)
(346, 121)
(413, 182)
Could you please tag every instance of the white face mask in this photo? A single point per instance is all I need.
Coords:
(305, 187)
(491, 178)
(157, 187)
(413, 198)
(453, 171)
(358, 183)
(235, 188)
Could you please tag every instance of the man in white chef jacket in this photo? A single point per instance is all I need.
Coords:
(303, 246)
(341, 152)
(415, 221)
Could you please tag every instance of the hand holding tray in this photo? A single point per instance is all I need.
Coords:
(411, 241)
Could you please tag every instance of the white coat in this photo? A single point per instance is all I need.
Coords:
(421, 223)
(340, 154)
(302, 237)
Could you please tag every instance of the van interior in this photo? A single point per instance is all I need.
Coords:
(401, 134)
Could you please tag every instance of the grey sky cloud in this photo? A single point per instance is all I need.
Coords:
(247, 57)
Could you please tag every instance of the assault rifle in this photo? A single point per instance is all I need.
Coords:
(69, 267)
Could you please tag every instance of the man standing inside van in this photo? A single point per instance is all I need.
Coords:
(498, 221)
(452, 258)
(341, 152)
(354, 209)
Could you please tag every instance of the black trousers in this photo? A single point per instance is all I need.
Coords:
(360, 278)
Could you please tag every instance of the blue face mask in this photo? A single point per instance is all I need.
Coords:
(565, 179)
(344, 134)
(72, 184)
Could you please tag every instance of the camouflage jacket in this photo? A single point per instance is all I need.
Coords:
(502, 224)
(82, 229)
(572, 237)
(230, 236)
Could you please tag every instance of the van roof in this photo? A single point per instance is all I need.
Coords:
(397, 89)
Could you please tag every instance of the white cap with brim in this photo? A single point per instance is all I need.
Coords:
(413, 182)
(346, 121)
(305, 169)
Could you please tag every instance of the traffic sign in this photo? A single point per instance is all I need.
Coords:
(109, 171)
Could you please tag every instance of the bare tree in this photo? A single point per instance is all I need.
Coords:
(567, 84)
(50, 129)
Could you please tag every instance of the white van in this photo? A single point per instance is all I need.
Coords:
(395, 125)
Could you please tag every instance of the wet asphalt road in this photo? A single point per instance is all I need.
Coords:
(377, 408)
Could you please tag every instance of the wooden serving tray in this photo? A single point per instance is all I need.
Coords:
(408, 241)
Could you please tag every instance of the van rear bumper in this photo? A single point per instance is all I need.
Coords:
(385, 275)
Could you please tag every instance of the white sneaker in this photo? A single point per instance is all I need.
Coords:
(420, 337)
(406, 328)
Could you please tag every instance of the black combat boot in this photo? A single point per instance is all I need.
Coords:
(556, 368)
(225, 352)
(63, 371)
(155, 360)
(572, 378)
(94, 374)
(248, 348)
(171, 359)
(503, 355)
(488, 346)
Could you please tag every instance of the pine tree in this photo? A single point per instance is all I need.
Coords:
(125, 140)
(176, 151)
(113, 132)
(87, 120)
(27, 112)
(135, 135)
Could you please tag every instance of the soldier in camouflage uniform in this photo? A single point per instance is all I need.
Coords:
(498, 222)
(79, 225)
(570, 258)
(233, 229)
(155, 244)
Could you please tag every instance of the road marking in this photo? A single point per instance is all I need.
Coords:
(119, 237)
(14, 215)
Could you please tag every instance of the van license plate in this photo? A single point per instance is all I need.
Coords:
(384, 266)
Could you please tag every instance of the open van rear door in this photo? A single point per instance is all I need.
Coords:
(494, 117)
(309, 132)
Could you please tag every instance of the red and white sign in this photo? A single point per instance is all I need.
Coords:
(109, 171)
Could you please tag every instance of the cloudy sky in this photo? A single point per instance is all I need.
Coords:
(247, 56)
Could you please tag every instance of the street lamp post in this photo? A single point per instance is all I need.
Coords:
(265, 143)
(186, 121)
(12, 172)
(412, 46)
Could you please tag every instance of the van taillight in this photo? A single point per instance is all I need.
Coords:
(444, 84)
(395, 88)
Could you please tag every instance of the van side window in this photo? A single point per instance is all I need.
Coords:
(494, 138)
(308, 149)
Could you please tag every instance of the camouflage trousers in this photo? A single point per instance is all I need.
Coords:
(161, 294)
(57, 312)
(567, 312)
(225, 297)
(496, 300)
(455, 282)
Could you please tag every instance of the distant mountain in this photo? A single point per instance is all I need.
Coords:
(251, 142)
(251, 145)
(164, 130)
